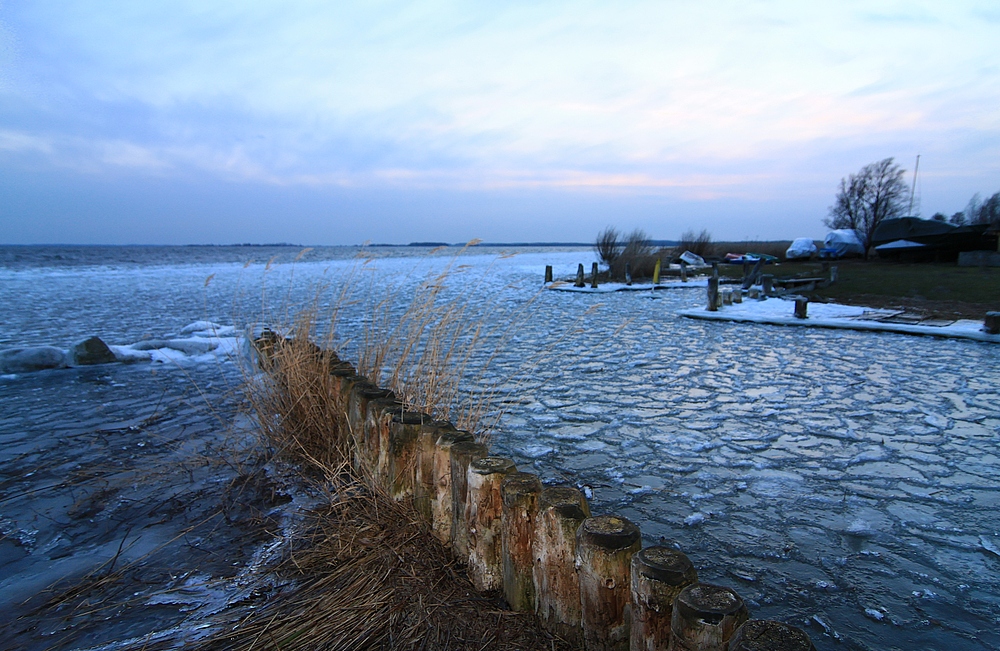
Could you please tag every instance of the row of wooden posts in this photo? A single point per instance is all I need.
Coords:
(586, 577)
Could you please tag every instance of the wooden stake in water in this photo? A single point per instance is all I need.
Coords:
(483, 512)
(761, 634)
(593, 275)
(579, 276)
(705, 617)
(801, 307)
(767, 284)
(561, 511)
(991, 324)
(628, 273)
(462, 456)
(548, 273)
(713, 294)
(658, 576)
(519, 493)
(684, 272)
(604, 548)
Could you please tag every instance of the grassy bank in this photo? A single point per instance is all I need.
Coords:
(944, 290)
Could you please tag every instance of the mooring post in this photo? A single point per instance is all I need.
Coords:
(713, 294)
(579, 276)
(705, 617)
(561, 511)
(442, 520)
(656, 271)
(483, 512)
(715, 270)
(737, 295)
(758, 634)
(604, 548)
(462, 456)
(658, 576)
(991, 324)
(423, 473)
(767, 284)
(727, 297)
(684, 272)
(801, 307)
(519, 492)
(404, 437)
(548, 273)
(628, 273)
(593, 275)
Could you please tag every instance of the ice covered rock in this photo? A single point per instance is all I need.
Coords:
(91, 351)
(36, 358)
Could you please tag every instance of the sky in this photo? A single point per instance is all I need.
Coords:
(389, 122)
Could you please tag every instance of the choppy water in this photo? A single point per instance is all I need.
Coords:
(844, 482)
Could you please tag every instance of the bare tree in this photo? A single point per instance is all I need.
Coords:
(608, 247)
(866, 199)
(699, 244)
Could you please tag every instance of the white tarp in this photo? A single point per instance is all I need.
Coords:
(843, 242)
(693, 259)
(802, 247)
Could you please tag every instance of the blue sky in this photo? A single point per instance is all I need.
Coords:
(338, 123)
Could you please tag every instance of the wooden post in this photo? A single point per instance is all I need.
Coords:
(628, 273)
(604, 548)
(766, 284)
(684, 272)
(833, 274)
(362, 393)
(753, 293)
(548, 273)
(404, 434)
(727, 297)
(375, 435)
(561, 511)
(519, 492)
(715, 270)
(656, 271)
(658, 576)
(579, 276)
(801, 307)
(423, 474)
(442, 511)
(761, 634)
(593, 275)
(705, 617)
(462, 456)
(713, 294)
(737, 296)
(483, 512)
(991, 324)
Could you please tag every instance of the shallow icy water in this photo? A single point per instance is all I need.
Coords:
(844, 482)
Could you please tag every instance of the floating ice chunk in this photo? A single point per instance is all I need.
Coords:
(989, 545)
(694, 519)
(36, 358)
(936, 420)
(202, 326)
(860, 527)
(877, 615)
(536, 451)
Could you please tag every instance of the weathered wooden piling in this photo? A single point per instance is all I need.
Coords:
(593, 275)
(991, 324)
(753, 293)
(833, 274)
(462, 456)
(442, 511)
(561, 511)
(767, 635)
(548, 273)
(713, 294)
(705, 617)
(684, 272)
(404, 434)
(801, 307)
(483, 513)
(579, 276)
(658, 576)
(519, 492)
(767, 284)
(357, 413)
(628, 273)
(727, 297)
(375, 435)
(423, 473)
(715, 270)
(737, 295)
(604, 548)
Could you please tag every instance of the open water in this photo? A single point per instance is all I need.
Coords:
(844, 482)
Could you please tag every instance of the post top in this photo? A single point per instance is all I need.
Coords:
(767, 635)
(665, 564)
(709, 602)
(450, 437)
(519, 484)
(492, 466)
(609, 532)
(569, 501)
